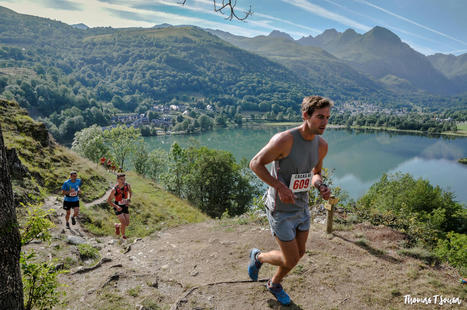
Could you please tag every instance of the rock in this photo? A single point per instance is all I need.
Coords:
(165, 267)
(154, 284)
(194, 273)
(111, 242)
(15, 166)
(59, 266)
(75, 240)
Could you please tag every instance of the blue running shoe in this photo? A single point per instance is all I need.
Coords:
(279, 293)
(254, 265)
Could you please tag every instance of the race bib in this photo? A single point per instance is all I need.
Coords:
(300, 182)
(73, 194)
(122, 202)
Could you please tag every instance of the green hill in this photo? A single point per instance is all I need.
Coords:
(332, 77)
(38, 167)
(73, 78)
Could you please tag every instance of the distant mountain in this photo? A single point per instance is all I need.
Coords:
(380, 53)
(164, 25)
(80, 26)
(453, 67)
(279, 34)
(326, 73)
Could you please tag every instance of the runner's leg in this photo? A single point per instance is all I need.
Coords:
(67, 216)
(76, 211)
(301, 237)
(285, 259)
(122, 220)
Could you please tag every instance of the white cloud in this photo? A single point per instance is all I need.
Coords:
(317, 10)
(410, 21)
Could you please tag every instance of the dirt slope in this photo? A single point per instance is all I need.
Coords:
(179, 268)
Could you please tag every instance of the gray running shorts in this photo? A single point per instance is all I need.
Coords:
(284, 225)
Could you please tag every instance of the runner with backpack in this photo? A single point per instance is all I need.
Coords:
(119, 199)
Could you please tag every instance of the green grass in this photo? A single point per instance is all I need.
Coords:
(462, 126)
(151, 209)
(87, 251)
(134, 292)
(421, 254)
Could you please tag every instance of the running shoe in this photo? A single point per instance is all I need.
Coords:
(117, 229)
(124, 237)
(73, 221)
(279, 293)
(67, 225)
(254, 265)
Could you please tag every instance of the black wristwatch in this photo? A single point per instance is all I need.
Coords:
(320, 185)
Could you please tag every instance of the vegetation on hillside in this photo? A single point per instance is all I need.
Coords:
(430, 217)
(72, 78)
(42, 164)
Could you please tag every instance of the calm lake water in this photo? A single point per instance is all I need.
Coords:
(358, 158)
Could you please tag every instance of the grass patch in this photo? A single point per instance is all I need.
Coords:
(421, 254)
(134, 292)
(87, 251)
(363, 243)
(151, 304)
(151, 209)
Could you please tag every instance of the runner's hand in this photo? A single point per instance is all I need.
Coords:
(325, 192)
(119, 209)
(285, 194)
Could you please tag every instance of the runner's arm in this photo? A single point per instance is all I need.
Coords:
(277, 148)
(317, 180)
(64, 191)
(130, 193)
(111, 199)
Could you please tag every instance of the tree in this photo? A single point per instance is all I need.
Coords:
(140, 158)
(90, 143)
(156, 164)
(173, 179)
(122, 141)
(214, 182)
(11, 295)
(205, 122)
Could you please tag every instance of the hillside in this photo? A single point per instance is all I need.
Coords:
(203, 266)
(454, 67)
(39, 166)
(73, 78)
(175, 258)
(332, 77)
(380, 53)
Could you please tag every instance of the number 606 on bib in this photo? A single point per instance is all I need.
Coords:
(300, 182)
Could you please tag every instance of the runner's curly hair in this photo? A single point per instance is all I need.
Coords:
(310, 103)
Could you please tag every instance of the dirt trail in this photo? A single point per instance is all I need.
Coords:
(179, 268)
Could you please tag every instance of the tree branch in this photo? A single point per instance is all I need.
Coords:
(229, 5)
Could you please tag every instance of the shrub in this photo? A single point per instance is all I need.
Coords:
(87, 251)
(454, 250)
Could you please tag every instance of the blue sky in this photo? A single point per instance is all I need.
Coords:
(428, 26)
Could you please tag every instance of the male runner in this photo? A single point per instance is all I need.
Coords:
(119, 199)
(71, 190)
(297, 158)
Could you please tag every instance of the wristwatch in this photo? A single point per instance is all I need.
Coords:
(320, 185)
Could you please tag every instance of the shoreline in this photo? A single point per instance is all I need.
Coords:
(252, 124)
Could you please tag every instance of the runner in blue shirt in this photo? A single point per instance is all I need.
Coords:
(71, 190)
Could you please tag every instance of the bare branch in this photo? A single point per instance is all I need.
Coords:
(229, 5)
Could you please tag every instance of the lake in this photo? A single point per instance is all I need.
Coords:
(358, 158)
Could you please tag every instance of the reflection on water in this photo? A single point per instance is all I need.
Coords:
(358, 158)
